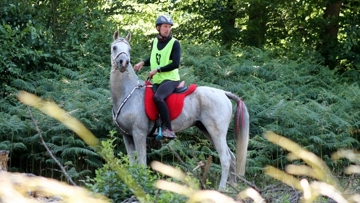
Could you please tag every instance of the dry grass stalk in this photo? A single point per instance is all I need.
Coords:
(21, 188)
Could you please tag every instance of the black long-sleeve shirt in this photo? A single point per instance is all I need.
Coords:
(174, 56)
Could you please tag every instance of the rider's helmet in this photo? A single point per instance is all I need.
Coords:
(164, 19)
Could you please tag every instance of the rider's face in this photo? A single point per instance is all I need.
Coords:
(164, 30)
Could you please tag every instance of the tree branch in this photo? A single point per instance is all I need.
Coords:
(48, 150)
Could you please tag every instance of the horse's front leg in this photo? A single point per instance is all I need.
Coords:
(130, 148)
(140, 146)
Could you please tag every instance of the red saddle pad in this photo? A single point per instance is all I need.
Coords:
(175, 102)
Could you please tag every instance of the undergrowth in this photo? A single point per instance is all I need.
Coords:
(308, 175)
(109, 183)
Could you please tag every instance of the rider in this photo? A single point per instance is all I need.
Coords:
(164, 62)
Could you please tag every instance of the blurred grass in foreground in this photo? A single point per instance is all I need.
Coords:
(323, 182)
(320, 182)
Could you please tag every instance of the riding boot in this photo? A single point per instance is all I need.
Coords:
(165, 116)
(164, 113)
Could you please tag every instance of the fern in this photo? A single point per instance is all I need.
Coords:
(78, 152)
(8, 145)
(23, 85)
(288, 92)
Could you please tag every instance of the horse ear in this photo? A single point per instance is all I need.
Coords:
(128, 37)
(116, 34)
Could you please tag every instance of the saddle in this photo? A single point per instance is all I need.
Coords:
(175, 101)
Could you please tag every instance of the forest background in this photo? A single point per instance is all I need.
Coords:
(295, 64)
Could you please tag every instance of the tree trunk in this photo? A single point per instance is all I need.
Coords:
(332, 13)
(4, 157)
(328, 38)
(256, 25)
(229, 32)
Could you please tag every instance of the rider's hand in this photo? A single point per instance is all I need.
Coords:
(138, 66)
(151, 73)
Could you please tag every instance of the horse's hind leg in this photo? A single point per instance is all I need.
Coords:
(232, 175)
(218, 139)
(225, 158)
(130, 148)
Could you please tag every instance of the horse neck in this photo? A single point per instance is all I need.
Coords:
(121, 84)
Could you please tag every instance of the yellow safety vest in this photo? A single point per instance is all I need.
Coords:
(160, 58)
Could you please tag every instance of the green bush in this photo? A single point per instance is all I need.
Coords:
(115, 186)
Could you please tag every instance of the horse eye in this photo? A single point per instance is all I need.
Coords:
(114, 48)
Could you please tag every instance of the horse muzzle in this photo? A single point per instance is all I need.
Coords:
(122, 64)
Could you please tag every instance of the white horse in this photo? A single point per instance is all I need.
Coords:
(207, 108)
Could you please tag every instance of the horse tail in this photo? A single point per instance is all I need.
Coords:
(242, 126)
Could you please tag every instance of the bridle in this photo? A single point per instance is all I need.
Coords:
(137, 85)
(113, 59)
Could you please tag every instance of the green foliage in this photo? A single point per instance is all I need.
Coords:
(58, 61)
(296, 97)
(186, 153)
(59, 50)
(108, 182)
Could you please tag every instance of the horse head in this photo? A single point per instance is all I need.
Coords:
(120, 52)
